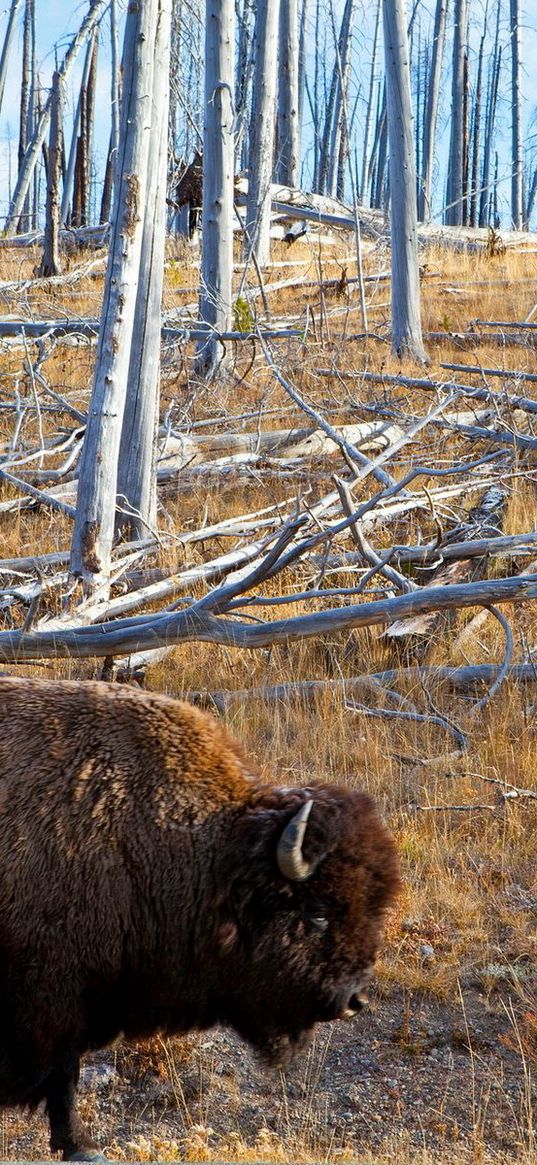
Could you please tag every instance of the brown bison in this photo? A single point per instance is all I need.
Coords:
(149, 881)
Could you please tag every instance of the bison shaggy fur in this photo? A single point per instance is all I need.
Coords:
(142, 889)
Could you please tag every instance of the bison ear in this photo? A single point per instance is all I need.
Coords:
(304, 843)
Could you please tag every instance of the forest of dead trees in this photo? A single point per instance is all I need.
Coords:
(472, 96)
(251, 121)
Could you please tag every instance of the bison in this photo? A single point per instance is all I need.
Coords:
(150, 881)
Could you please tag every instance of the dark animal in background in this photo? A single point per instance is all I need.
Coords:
(149, 881)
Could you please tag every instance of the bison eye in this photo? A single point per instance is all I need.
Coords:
(319, 922)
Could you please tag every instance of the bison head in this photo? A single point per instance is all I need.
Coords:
(305, 885)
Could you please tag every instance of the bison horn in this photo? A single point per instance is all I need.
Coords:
(289, 855)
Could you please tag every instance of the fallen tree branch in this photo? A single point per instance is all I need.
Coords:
(165, 629)
(38, 495)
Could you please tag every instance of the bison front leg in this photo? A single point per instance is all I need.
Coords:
(68, 1134)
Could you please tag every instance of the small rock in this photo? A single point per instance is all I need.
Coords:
(97, 1076)
(426, 951)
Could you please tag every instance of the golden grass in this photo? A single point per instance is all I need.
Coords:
(470, 877)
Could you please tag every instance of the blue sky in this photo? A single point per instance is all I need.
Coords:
(58, 20)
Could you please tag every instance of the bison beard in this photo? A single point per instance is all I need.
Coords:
(149, 881)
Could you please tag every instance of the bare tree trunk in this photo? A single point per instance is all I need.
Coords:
(517, 150)
(260, 159)
(80, 186)
(455, 192)
(115, 88)
(341, 43)
(96, 502)
(288, 125)
(492, 96)
(242, 82)
(431, 110)
(4, 58)
(531, 198)
(369, 111)
(406, 322)
(341, 105)
(465, 143)
(378, 195)
(476, 136)
(137, 476)
(302, 63)
(218, 157)
(24, 110)
(68, 208)
(34, 148)
(108, 184)
(51, 251)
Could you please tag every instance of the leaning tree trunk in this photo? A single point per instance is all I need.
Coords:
(517, 150)
(137, 477)
(96, 502)
(218, 157)
(50, 264)
(288, 125)
(260, 155)
(406, 321)
(431, 110)
(455, 191)
(343, 45)
(4, 57)
(340, 123)
(35, 146)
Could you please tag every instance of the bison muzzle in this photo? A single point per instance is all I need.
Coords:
(150, 881)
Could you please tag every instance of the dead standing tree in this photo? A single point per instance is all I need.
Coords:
(35, 145)
(406, 318)
(218, 157)
(50, 264)
(517, 155)
(96, 502)
(431, 111)
(455, 199)
(260, 155)
(288, 160)
(137, 470)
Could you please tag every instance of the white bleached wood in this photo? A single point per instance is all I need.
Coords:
(262, 130)
(406, 320)
(218, 166)
(34, 148)
(94, 524)
(137, 482)
(431, 110)
(4, 58)
(198, 625)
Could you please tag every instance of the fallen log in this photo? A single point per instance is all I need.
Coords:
(477, 392)
(461, 679)
(166, 629)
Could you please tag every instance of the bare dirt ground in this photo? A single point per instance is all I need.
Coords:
(414, 1078)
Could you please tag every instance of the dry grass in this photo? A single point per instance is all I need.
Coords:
(470, 877)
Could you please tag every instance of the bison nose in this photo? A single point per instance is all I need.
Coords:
(356, 1002)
